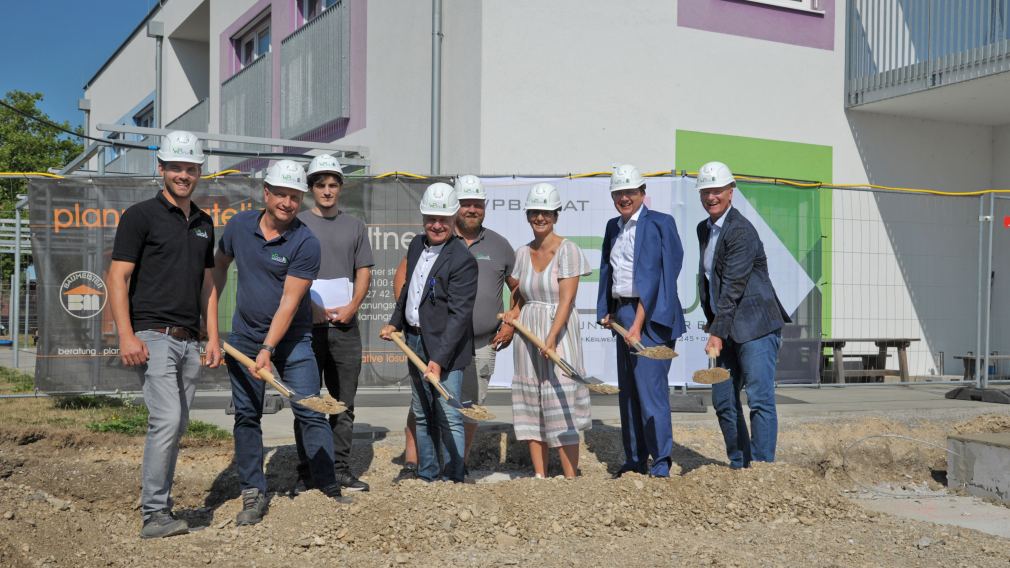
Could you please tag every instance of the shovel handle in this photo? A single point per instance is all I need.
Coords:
(264, 374)
(552, 354)
(421, 366)
(624, 333)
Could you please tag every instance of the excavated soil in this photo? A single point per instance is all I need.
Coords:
(70, 499)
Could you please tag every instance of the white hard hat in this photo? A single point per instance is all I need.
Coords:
(287, 173)
(543, 197)
(326, 164)
(625, 176)
(714, 174)
(439, 199)
(470, 187)
(180, 146)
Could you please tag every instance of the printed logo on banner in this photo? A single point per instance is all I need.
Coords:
(83, 294)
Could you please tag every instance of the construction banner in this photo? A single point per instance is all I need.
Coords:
(73, 224)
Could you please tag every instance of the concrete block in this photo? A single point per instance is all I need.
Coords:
(980, 464)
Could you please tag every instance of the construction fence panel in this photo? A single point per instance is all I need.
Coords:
(845, 264)
(999, 280)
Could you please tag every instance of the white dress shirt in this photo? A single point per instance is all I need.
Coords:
(622, 258)
(418, 281)
(714, 230)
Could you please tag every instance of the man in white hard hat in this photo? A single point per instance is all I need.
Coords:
(159, 282)
(340, 288)
(278, 258)
(435, 314)
(641, 260)
(495, 258)
(745, 319)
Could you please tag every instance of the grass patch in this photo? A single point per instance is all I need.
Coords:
(83, 401)
(206, 431)
(129, 419)
(14, 381)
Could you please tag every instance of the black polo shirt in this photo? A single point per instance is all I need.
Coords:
(170, 254)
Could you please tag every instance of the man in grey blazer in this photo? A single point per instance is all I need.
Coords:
(745, 319)
(435, 313)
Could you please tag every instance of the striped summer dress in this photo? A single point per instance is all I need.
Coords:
(546, 405)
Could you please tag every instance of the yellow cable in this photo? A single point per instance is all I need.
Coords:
(397, 174)
(221, 173)
(31, 174)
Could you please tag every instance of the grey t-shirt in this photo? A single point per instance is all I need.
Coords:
(344, 243)
(495, 258)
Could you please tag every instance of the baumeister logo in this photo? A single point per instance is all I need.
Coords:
(83, 294)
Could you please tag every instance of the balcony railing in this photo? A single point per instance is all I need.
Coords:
(246, 106)
(314, 73)
(134, 160)
(196, 119)
(896, 47)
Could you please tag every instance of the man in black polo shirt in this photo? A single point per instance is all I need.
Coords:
(161, 259)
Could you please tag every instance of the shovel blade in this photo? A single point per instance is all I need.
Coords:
(657, 352)
(711, 376)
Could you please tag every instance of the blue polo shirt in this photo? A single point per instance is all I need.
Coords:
(262, 267)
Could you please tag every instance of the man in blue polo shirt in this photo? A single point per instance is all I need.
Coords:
(277, 258)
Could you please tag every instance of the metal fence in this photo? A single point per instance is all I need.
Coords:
(246, 106)
(896, 47)
(134, 160)
(196, 119)
(314, 73)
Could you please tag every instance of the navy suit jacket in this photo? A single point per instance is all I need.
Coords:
(659, 256)
(746, 305)
(446, 310)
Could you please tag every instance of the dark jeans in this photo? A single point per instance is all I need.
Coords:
(296, 365)
(752, 366)
(439, 425)
(338, 356)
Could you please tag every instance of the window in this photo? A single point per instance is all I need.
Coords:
(312, 8)
(145, 118)
(253, 42)
(801, 5)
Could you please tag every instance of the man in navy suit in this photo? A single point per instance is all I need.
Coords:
(745, 319)
(641, 260)
(435, 312)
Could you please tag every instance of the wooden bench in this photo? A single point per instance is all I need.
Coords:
(969, 363)
(874, 365)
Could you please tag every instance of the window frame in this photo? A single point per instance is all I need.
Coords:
(252, 35)
(809, 6)
(305, 7)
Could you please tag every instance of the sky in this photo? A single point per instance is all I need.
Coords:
(57, 52)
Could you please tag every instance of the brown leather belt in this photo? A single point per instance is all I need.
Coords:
(180, 333)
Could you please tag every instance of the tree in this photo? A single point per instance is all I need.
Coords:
(28, 145)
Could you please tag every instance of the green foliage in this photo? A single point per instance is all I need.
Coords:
(80, 402)
(12, 380)
(206, 431)
(131, 420)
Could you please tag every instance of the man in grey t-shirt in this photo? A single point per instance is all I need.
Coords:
(495, 258)
(346, 263)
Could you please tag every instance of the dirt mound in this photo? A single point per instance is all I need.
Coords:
(989, 423)
(76, 505)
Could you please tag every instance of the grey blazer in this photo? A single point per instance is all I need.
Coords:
(746, 305)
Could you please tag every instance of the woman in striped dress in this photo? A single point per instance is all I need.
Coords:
(549, 409)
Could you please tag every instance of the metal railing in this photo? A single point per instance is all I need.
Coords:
(246, 106)
(196, 119)
(896, 47)
(314, 73)
(134, 160)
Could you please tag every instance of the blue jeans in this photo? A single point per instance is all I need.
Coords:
(169, 383)
(646, 426)
(439, 426)
(752, 366)
(296, 364)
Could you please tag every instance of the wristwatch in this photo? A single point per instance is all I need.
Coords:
(268, 348)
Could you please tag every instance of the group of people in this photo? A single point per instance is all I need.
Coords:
(165, 282)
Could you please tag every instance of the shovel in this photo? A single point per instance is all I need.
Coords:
(654, 352)
(472, 411)
(325, 404)
(592, 383)
(712, 374)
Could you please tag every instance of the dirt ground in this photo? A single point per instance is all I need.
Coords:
(69, 498)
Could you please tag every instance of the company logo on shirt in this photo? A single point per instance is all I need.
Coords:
(279, 258)
(482, 256)
(201, 233)
(82, 294)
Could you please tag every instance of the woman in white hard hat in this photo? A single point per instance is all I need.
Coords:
(549, 409)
